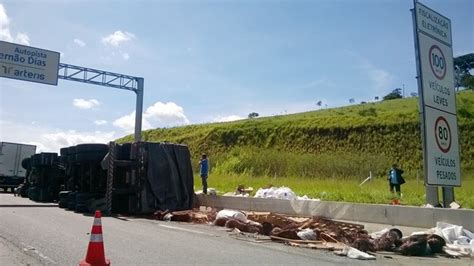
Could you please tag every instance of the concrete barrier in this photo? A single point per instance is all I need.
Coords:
(371, 213)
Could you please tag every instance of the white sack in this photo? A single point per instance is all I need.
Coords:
(231, 214)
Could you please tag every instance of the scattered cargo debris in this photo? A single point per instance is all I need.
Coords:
(346, 239)
(279, 193)
(190, 216)
(241, 191)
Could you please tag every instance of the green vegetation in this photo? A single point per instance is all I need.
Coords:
(324, 146)
(462, 66)
(340, 189)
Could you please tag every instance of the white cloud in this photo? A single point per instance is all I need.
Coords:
(228, 118)
(168, 114)
(117, 38)
(100, 122)
(5, 34)
(22, 38)
(158, 115)
(61, 139)
(79, 42)
(127, 123)
(125, 56)
(85, 104)
(50, 139)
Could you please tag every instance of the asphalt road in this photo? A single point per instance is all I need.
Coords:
(47, 234)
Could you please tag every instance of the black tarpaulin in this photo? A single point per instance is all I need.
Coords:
(170, 183)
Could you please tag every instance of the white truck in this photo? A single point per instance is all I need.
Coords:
(12, 172)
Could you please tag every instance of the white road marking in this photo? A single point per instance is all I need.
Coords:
(185, 230)
(41, 255)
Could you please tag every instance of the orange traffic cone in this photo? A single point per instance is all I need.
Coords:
(95, 251)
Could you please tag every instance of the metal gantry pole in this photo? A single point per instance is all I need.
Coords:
(139, 109)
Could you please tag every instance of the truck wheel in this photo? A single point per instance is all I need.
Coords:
(90, 157)
(83, 197)
(81, 148)
(26, 163)
(35, 160)
(63, 199)
(64, 151)
(81, 208)
(71, 201)
(71, 157)
(33, 193)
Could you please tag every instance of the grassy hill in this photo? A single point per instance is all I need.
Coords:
(339, 142)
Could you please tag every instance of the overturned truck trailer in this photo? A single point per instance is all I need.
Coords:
(143, 177)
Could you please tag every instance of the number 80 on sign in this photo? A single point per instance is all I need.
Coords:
(443, 134)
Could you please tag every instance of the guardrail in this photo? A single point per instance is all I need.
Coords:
(371, 213)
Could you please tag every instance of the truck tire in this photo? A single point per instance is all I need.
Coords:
(64, 151)
(84, 197)
(89, 157)
(63, 203)
(71, 201)
(81, 208)
(26, 163)
(35, 160)
(82, 201)
(33, 193)
(71, 155)
(43, 159)
(86, 148)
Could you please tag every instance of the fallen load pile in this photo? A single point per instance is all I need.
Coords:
(189, 216)
(348, 239)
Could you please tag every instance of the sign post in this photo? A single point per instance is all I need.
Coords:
(28, 63)
(434, 54)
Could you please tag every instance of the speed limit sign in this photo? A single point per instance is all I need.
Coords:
(442, 134)
(437, 62)
(442, 148)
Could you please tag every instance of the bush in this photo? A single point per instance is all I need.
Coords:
(368, 112)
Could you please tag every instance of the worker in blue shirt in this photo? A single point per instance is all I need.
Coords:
(204, 170)
(395, 179)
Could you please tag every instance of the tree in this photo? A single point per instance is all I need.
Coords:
(319, 103)
(376, 98)
(414, 94)
(395, 94)
(253, 115)
(462, 66)
(351, 100)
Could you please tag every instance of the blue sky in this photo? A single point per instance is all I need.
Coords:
(206, 61)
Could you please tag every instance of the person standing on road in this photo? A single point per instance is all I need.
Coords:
(204, 171)
(395, 179)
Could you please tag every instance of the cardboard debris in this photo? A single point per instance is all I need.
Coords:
(322, 233)
(189, 216)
